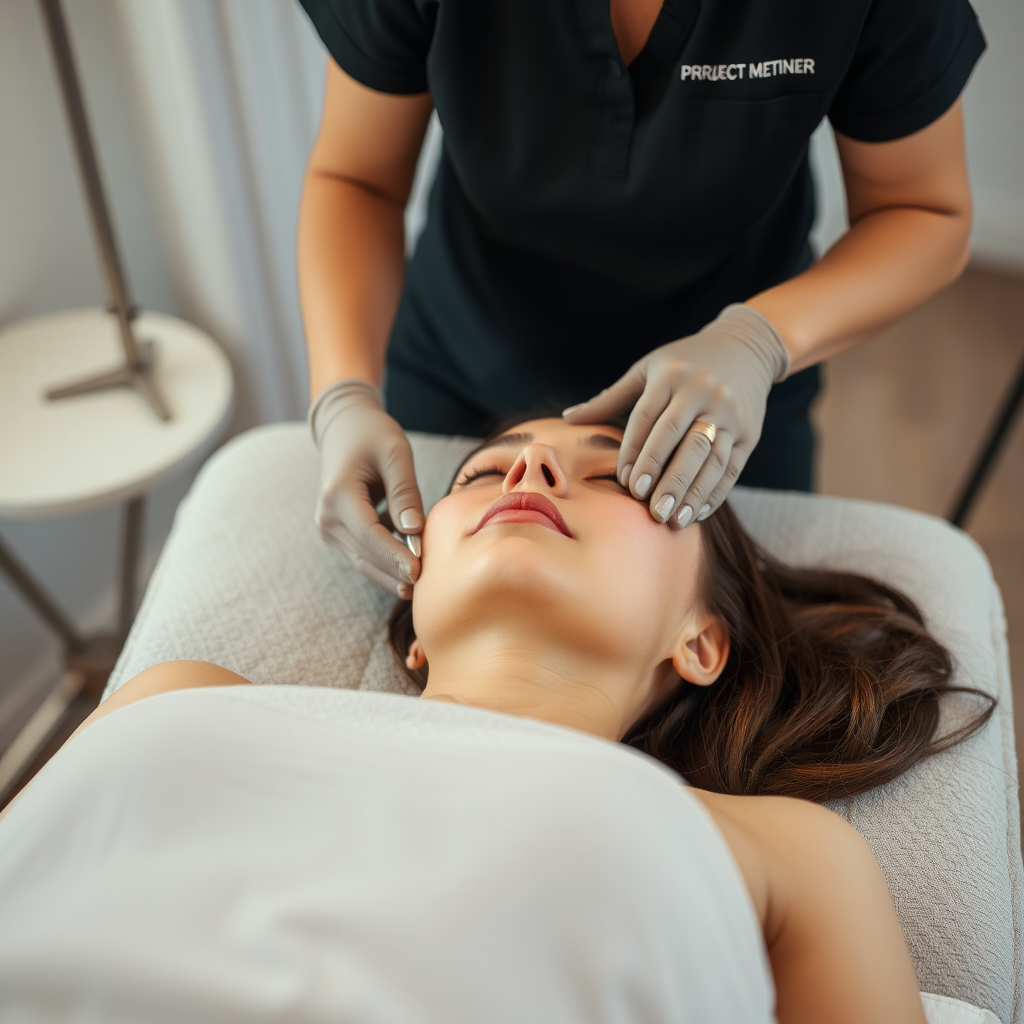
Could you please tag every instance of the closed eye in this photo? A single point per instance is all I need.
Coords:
(610, 476)
(476, 474)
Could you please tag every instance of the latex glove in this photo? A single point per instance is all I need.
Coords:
(364, 456)
(721, 375)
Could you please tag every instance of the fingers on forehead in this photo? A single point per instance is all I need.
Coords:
(710, 475)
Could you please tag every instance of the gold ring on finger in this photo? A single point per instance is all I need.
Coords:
(709, 430)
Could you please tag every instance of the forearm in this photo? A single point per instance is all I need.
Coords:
(910, 216)
(351, 265)
(888, 263)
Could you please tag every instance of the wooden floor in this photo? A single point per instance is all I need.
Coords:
(901, 420)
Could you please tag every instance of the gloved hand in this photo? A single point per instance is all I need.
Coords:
(365, 455)
(722, 376)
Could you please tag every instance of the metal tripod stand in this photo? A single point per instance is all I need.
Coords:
(138, 356)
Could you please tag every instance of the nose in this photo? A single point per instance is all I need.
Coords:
(537, 469)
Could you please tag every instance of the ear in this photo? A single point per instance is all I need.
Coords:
(415, 658)
(703, 651)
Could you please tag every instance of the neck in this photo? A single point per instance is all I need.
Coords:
(534, 681)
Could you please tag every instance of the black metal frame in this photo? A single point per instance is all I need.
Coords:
(88, 660)
(997, 436)
(98, 652)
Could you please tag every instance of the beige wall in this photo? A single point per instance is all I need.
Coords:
(995, 136)
(994, 109)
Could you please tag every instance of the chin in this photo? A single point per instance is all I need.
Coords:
(509, 578)
(516, 564)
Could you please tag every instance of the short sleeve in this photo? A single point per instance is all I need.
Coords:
(382, 44)
(912, 62)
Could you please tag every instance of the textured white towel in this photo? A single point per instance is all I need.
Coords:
(945, 1010)
(282, 853)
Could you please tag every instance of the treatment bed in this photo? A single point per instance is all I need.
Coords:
(246, 582)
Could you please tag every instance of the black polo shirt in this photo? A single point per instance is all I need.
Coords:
(586, 212)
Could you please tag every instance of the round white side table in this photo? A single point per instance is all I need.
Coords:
(69, 455)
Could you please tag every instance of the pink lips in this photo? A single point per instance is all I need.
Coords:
(525, 507)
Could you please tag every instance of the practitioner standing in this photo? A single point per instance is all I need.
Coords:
(623, 202)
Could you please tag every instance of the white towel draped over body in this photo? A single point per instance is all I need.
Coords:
(290, 854)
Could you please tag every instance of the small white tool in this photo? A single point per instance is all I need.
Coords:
(412, 541)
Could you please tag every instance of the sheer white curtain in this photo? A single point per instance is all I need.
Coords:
(228, 94)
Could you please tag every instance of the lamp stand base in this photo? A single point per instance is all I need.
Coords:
(139, 377)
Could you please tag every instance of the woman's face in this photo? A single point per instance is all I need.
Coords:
(538, 533)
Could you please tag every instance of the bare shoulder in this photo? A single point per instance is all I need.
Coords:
(829, 922)
(182, 674)
(165, 678)
(789, 826)
(800, 850)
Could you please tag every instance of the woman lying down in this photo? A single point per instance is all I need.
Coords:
(507, 848)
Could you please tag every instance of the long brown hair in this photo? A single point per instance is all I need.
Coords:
(832, 685)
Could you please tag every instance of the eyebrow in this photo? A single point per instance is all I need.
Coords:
(602, 442)
(509, 441)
